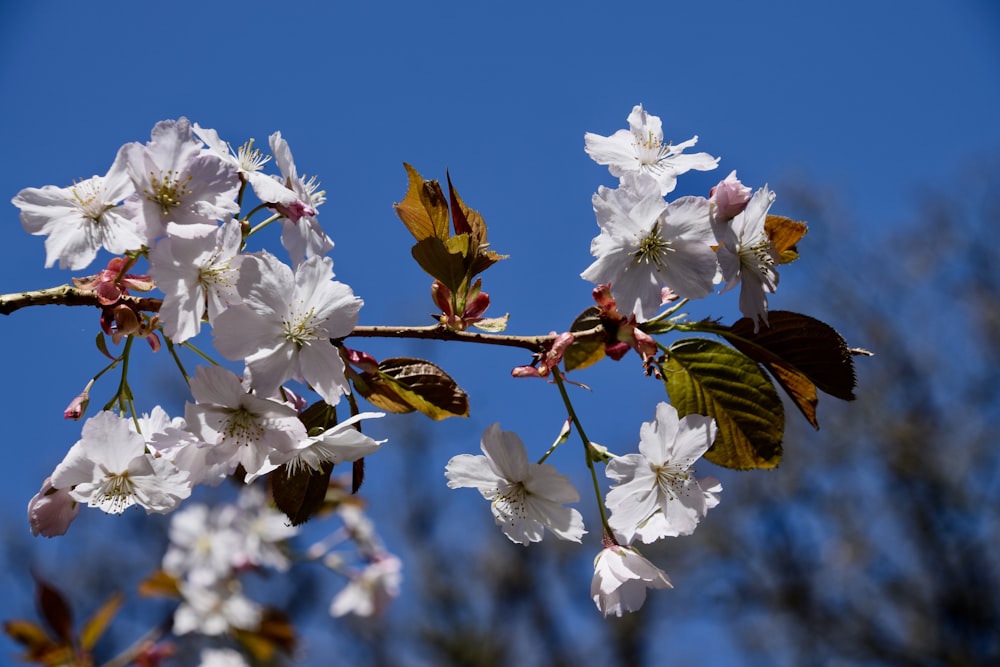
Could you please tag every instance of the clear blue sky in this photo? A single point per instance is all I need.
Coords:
(870, 100)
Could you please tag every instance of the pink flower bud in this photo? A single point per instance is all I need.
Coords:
(729, 198)
(77, 406)
(51, 510)
(362, 360)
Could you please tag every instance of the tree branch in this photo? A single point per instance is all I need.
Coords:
(67, 295)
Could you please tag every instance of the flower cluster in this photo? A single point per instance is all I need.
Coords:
(177, 202)
(173, 201)
(689, 245)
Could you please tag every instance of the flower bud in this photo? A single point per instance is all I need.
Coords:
(77, 406)
(729, 198)
(51, 510)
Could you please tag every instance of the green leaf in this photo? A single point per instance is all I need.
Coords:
(425, 387)
(706, 377)
(300, 494)
(424, 209)
(581, 354)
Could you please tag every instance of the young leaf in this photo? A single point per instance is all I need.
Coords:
(706, 377)
(581, 354)
(444, 260)
(425, 387)
(54, 609)
(785, 233)
(301, 494)
(159, 584)
(98, 623)
(424, 209)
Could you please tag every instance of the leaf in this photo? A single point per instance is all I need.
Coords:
(159, 584)
(274, 631)
(424, 209)
(709, 378)
(581, 354)
(803, 344)
(98, 623)
(444, 260)
(465, 219)
(785, 233)
(425, 387)
(319, 415)
(492, 324)
(301, 494)
(54, 609)
(30, 635)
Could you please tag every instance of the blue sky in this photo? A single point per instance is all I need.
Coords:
(870, 101)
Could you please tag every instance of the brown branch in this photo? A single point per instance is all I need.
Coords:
(67, 295)
(439, 332)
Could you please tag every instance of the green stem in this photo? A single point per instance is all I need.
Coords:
(586, 448)
(177, 360)
(261, 225)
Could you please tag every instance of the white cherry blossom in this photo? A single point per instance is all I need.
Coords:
(175, 182)
(370, 590)
(239, 426)
(647, 244)
(110, 469)
(640, 148)
(81, 219)
(284, 326)
(621, 577)
(526, 498)
(656, 494)
(748, 257)
(301, 234)
(197, 276)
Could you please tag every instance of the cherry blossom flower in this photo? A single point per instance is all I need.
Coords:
(239, 426)
(748, 257)
(197, 276)
(214, 609)
(175, 182)
(655, 493)
(81, 219)
(621, 577)
(249, 161)
(640, 149)
(301, 234)
(221, 657)
(284, 325)
(110, 469)
(202, 541)
(526, 498)
(263, 531)
(646, 244)
(370, 591)
(342, 443)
